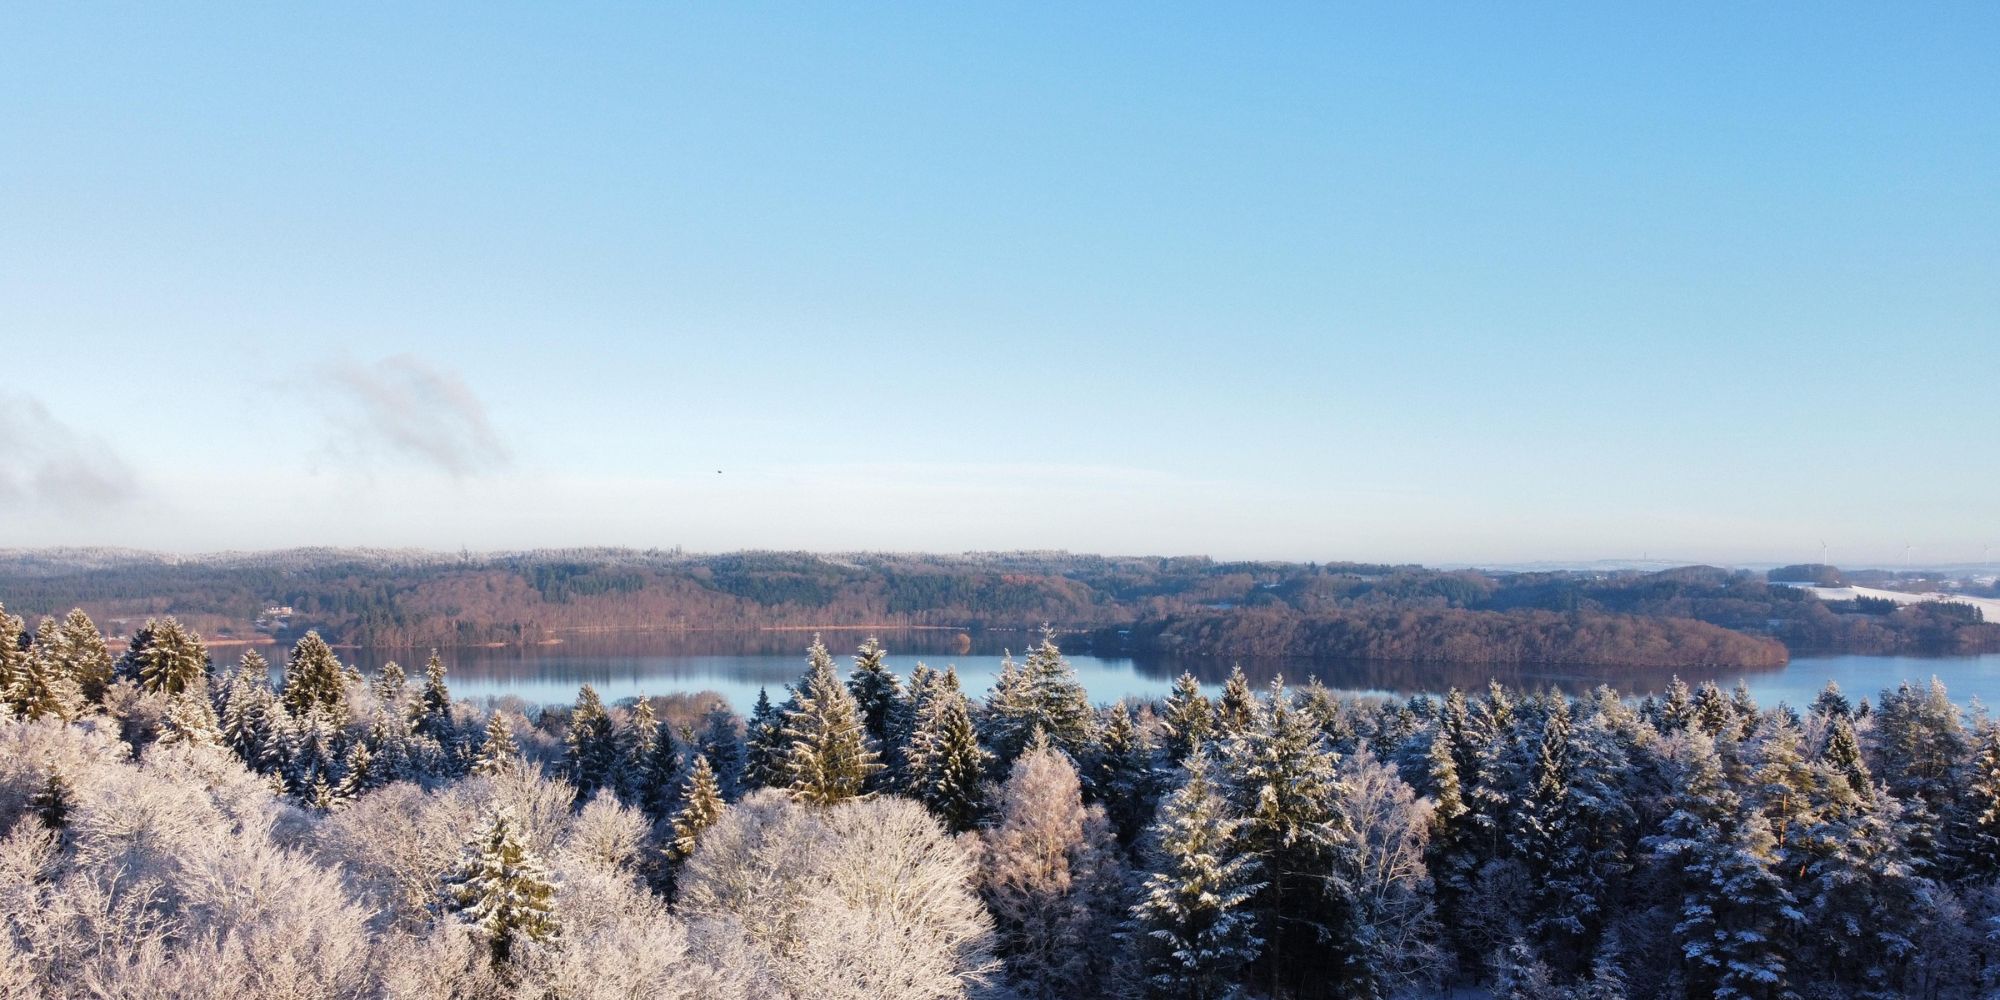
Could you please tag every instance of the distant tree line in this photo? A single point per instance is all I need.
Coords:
(1376, 610)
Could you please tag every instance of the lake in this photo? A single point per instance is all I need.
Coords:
(736, 664)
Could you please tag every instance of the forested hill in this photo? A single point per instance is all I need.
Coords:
(1192, 604)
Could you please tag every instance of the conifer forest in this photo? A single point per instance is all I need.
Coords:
(178, 827)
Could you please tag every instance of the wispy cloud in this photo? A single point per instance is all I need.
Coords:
(409, 410)
(48, 463)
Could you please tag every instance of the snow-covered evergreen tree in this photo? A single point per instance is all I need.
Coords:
(943, 764)
(311, 752)
(764, 745)
(827, 755)
(357, 776)
(1237, 706)
(664, 771)
(54, 799)
(42, 686)
(592, 744)
(1041, 693)
(1783, 783)
(1283, 783)
(191, 719)
(165, 657)
(1832, 703)
(1196, 924)
(247, 702)
(1188, 719)
(1922, 748)
(13, 652)
(721, 741)
(498, 753)
(1714, 714)
(876, 689)
(81, 649)
(1554, 839)
(1677, 711)
(434, 704)
(392, 688)
(1735, 914)
(635, 752)
(1979, 848)
(1842, 754)
(315, 679)
(700, 806)
(1122, 776)
(502, 890)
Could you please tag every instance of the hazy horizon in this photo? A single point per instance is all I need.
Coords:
(1494, 286)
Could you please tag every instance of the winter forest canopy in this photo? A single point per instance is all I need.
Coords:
(169, 828)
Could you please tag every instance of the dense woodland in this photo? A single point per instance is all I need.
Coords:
(1692, 616)
(171, 829)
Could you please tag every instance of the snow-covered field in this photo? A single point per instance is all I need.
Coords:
(1988, 606)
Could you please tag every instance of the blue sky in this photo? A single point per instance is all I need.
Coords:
(1448, 283)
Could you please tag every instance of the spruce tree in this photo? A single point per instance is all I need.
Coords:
(876, 689)
(54, 800)
(700, 806)
(1922, 746)
(1043, 693)
(1783, 783)
(1447, 793)
(243, 721)
(1832, 704)
(1677, 711)
(13, 654)
(592, 744)
(635, 752)
(434, 704)
(392, 688)
(311, 757)
(1735, 913)
(923, 683)
(85, 656)
(664, 772)
(501, 890)
(1449, 855)
(1284, 786)
(1238, 705)
(357, 776)
(191, 720)
(1979, 853)
(764, 745)
(1121, 774)
(827, 756)
(1188, 718)
(1713, 713)
(1009, 715)
(944, 763)
(1552, 839)
(1745, 706)
(1195, 920)
(1843, 755)
(43, 687)
(165, 657)
(720, 742)
(315, 680)
(498, 753)
(1319, 704)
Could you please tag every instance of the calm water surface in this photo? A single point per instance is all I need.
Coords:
(735, 665)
